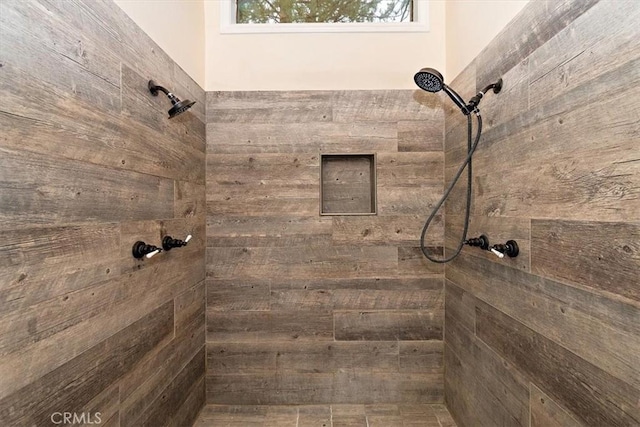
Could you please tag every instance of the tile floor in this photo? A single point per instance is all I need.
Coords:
(383, 415)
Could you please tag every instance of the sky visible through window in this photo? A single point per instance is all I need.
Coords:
(323, 11)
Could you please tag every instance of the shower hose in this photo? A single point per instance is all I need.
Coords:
(471, 148)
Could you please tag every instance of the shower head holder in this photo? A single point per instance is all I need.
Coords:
(475, 101)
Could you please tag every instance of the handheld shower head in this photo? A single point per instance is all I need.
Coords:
(429, 79)
(432, 81)
(178, 107)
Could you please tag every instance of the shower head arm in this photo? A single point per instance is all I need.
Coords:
(153, 88)
(497, 87)
(457, 100)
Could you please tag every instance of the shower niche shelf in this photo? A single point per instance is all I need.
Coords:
(348, 184)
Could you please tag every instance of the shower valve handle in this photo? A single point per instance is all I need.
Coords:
(142, 250)
(169, 243)
(151, 254)
(510, 249)
(497, 253)
(481, 242)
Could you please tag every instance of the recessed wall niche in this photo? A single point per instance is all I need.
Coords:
(347, 184)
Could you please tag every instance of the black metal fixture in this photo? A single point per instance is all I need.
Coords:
(481, 242)
(431, 80)
(510, 249)
(141, 249)
(178, 107)
(500, 250)
(169, 243)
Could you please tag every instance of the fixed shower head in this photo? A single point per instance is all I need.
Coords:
(432, 81)
(429, 79)
(178, 107)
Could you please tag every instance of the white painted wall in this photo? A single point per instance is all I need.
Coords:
(178, 28)
(189, 31)
(471, 25)
(315, 61)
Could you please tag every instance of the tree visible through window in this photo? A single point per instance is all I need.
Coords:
(310, 11)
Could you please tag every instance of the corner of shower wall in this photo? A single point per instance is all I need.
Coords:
(90, 164)
(513, 326)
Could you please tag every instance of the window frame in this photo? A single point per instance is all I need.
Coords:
(229, 26)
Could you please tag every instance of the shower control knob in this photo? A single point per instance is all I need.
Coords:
(141, 249)
(481, 242)
(510, 249)
(497, 253)
(154, 253)
(169, 243)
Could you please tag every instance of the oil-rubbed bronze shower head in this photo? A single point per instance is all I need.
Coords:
(429, 79)
(432, 81)
(178, 107)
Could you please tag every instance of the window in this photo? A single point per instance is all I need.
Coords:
(262, 16)
(324, 11)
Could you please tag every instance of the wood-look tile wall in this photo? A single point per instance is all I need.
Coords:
(305, 309)
(551, 338)
(89, 163)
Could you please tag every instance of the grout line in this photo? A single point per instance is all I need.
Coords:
(444, 207)
(120, 87)
(529, 84)
(530, 384)
(206, 299)
(444, 308)
(333, 319)
(530, 246)
(120, 404)
(175, 315)
(331, 414)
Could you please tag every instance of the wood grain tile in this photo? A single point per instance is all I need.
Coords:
(600, 255)
(388, 325)
(609, 402)
(265, 237)
(75, 383)
(547, 413)
(85, 327)
(268, 325)
(548, 19)
(580, 319)
(556, 171)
